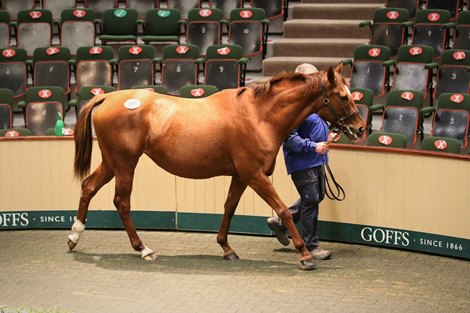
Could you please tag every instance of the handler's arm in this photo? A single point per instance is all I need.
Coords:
(297, 144)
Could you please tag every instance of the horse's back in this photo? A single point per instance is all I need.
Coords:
(187, 137)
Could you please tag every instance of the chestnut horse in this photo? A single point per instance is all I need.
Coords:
(235, 132)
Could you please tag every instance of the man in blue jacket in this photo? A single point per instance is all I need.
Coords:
(305, 153)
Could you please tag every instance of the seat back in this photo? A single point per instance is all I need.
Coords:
(119, 22)
(197, 91)
(364, 98)
(184, 6)
(141, 6)
(387, 29)
(402, 120)
(6, 108)
(57, 6)
(13, 7)
(453, 75)
(368, 70)
(459, 101)
(388, 140)
(226, 6)
(135, 66)
(429, 31)
(34, 30)
(410, 72)
(13, 70)
(93, 67)
(4, 29)
(77, 28)
(451, 123)
(99, 6)
(411, 6)
(441, 144)
(462, 31)
(222, 68)
(449, 5)
(42, 106)
(408, 99)
(452, 117)
(203, 28)
(51, 67)
(179, 67)
(247, 30)
(162, 25)
(405, 98)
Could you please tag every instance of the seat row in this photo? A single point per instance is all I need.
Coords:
(392, 27)
(403, 113)
(397, 140)
(274, 8)
(413, 69)
(224, 66)
(414, 6)
(43, 104)
(78, 27)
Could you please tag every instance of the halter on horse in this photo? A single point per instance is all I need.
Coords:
(235, 132)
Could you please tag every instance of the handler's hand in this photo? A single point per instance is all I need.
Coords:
(322, 148)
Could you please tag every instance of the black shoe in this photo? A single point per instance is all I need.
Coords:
(278, 230)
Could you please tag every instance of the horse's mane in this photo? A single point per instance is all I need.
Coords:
(262, 88)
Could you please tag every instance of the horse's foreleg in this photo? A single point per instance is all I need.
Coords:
(122, 203)
(264, 188)
(90, 187)
(235, 192)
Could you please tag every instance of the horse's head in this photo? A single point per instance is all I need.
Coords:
(337, 106)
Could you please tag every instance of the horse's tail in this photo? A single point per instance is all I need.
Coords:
(83, 138)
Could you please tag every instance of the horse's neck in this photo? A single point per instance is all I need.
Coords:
(288, 110)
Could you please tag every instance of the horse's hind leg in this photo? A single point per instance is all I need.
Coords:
(122, 203)
(235, 192)
(264, 188)
(90, 187)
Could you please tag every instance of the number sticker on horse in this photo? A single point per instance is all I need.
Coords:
(132, 104)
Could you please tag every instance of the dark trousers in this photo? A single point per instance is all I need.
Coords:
(310, 184)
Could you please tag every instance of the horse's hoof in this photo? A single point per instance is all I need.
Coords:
(150, 257)
(148, 254)
(308, 264)
(71, 244)
(231, 256)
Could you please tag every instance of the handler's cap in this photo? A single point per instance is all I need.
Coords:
(306, 68)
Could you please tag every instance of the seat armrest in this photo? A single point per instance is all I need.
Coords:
(427, 110)
(365, 24)
(376, 107)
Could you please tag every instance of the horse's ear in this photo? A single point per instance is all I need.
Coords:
(331, 76)
(339, 68)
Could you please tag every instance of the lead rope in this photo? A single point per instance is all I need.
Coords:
(339, 195)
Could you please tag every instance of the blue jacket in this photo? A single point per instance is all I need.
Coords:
(299, 147)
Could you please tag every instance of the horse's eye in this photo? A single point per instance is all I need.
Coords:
(343, 97)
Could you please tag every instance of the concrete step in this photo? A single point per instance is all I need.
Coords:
(324, 28)
(275, 65)
(315, 47)
(339, 11)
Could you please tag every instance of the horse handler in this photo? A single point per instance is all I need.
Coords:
(305, 153)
